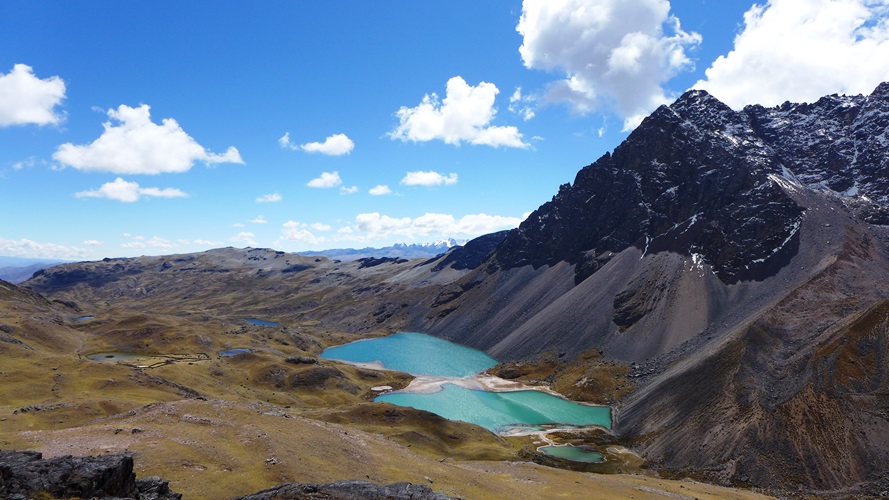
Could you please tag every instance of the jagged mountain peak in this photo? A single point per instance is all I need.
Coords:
(882, 90)
(699, 178)
(697, 99)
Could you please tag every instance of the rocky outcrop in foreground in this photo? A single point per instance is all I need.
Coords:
(26, 474)
(348, 490)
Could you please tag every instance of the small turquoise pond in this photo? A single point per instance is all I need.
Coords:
(572, 453)
(259, 322)
(414, 353)
(420, 354)
(233, 352)
(84, 318)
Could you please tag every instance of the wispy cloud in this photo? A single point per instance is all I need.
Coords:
(376, 226)
(299, 231)
(334, 145)
(129, 192)
(326, 180)
(269, 198)
(522, 105)
(155, 242)
(245, 238)
(41, 250)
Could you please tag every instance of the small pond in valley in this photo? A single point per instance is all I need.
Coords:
(572, 453)
(84, 318)
(259, 322)
(113, 357)
(233, 352)
(450, 368)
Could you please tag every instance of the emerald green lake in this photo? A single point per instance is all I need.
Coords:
(450, 364)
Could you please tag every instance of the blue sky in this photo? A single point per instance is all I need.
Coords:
(141, 128)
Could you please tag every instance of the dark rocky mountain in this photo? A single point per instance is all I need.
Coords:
(737, 261)
(740, 261)
(700, 178)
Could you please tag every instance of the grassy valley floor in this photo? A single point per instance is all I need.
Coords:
(217, 427)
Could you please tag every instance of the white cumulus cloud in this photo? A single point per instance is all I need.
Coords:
(269, 198)
(334, 145)
(464, 114)
(129, 192)
(800, 50)
(26, 99)
(260, 219)
(132, 144)
(380, 190)
(430, 178)
(615, 54)
(326, 180)
(348, 190)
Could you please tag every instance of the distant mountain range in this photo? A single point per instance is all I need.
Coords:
(398, 250)
(18, 269)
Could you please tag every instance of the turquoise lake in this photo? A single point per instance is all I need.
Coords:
(414, 353)
(503, 411)
(420, 354)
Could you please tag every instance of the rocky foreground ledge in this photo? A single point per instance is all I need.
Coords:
(348, 490)
(26, 474)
